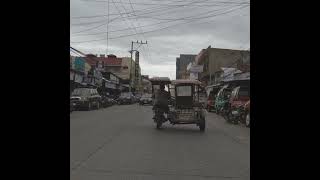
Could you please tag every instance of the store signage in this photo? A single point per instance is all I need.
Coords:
(79, 64)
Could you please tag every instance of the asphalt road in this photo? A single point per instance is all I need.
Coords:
(121, 142)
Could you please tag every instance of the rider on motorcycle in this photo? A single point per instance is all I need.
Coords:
(161, 97)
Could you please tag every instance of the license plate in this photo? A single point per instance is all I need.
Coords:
(235, 112)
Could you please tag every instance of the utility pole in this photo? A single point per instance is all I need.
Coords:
(131, 51)
(108, 31)
(209, 65)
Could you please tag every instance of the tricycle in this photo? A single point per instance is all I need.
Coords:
(185, 107)
(212, 91)
(238, 99)
(222, 105)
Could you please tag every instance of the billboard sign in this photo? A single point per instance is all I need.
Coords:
(195, 68)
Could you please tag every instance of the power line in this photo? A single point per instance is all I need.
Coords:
(123, 19)
(170, 20)
(96, 27)
(136, 19)
(184, 18)
(77, 51)
(147, 52)
(155, 29)
(95, 16)
(125, 10)
(163, 27)
(150, 10)
(140, 10)
(94, 22)
(108, 30)
(159, 7)
(152, 4)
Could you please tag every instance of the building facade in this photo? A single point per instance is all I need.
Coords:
(79, 70)
(130, 67)
(213, 59)
(146, 84)
(181, 65)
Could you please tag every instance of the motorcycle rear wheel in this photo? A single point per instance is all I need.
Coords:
(248, 120)
(159, 124)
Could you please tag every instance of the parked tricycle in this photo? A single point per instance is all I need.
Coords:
(222, 105)
(212, 91)
(238, 99)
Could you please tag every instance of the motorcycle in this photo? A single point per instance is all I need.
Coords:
(225, 110)
(236, 115)
(159, 117)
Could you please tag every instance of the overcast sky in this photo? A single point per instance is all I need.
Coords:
(171, 28)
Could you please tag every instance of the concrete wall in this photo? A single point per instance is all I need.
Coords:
(224, 58)
(213, 59)
(122, 71)
(126, 62)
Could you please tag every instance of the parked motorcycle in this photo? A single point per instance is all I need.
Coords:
(236, 115)
(225, 110)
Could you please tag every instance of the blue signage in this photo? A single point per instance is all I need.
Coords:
(79, 64)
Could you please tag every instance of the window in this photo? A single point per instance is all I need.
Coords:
(184, 90)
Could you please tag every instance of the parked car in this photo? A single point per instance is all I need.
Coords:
(145, 99)
(85, 98)
(126, 98)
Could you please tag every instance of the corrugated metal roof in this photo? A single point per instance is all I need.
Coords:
(185, 81)
(160, 79)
